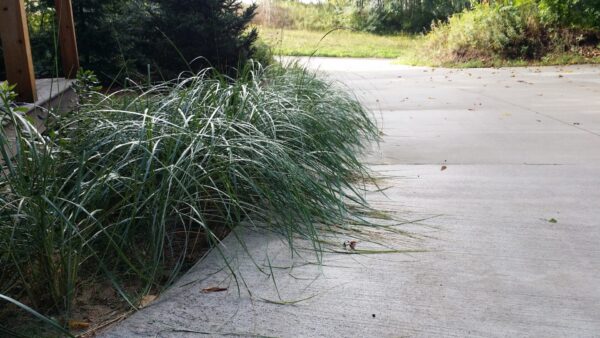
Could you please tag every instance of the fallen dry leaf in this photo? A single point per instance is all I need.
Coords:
(147, 299)
(78, 325)
(351, 244)
(213, 289)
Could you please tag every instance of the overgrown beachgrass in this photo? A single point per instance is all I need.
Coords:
(125, 189)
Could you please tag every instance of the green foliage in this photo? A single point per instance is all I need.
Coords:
(509, 30)
(263, 53)
(575, 13)
(123, 38)
(389, 16)
(404, 15)
(487, 31)
(414, 16)
(194, 34)
(124, 189)
(86, 86)
(102, 35)
(42, 27)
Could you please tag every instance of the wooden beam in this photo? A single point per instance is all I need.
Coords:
(17, 51)
(66, 38)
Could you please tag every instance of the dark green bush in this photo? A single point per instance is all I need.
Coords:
(195, 34)
(126, 38)
(103, 30)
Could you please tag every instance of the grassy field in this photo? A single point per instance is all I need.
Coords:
(405, 49)
(339, 43)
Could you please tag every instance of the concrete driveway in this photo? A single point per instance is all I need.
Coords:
(499, 171)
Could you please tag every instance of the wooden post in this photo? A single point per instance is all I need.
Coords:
(66, 38)
(17, 51)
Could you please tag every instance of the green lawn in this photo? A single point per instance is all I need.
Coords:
(339, 43)
(406, 49)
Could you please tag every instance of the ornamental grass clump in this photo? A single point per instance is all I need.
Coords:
(127, 187)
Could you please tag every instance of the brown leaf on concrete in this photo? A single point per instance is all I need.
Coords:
(350, 244)
(78, 325)
(213, 289)
(147, 299)
(353, 244)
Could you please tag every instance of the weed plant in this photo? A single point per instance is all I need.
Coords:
(506, 31)
(125, 187)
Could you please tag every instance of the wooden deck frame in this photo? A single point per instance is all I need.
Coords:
(66, 38)
(17, 50)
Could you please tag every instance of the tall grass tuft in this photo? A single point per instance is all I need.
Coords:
(127, 186)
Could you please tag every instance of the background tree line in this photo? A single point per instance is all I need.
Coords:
(158, 39)
(410, 16)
